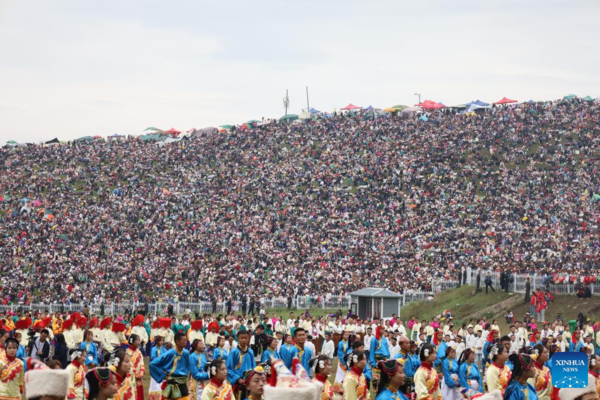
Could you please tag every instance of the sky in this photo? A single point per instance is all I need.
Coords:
(72, 68)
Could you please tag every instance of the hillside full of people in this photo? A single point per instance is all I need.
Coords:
(326, 206)
(333, 357)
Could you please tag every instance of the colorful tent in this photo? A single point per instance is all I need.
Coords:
(399, 107)
(84, 139)
(227, 127)
(314, 111)
(173, 132)
(390, 109)
(430, 105)
(478, 103)
(588, 98)
(153, 129)
(289, 117)
(504, 100)
(351, 107)
(570, 97)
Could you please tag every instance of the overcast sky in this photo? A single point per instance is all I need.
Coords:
(75, 68)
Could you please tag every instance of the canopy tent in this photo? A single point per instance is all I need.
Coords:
(351, 107)
(314, 111)
(588, 98)
(11, 142)
(306, 115)
(504, 100)
(478, 103)
(150, 137)
(97, 137)
(473, 107)
(116, 135)
(369, 108)
(399, 107)
(84, 139)
(226, 127)
(460, 106)
(390, 109)
(253, 121)
(55, 140)
(430, 105)
(208, 130)
(173, 132)
(153, 129)
(570, 97)
(289, 117)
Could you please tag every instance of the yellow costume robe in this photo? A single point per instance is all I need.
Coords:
(216, 390)
(497, 377)
(12, 378)
(76, 380)
(427, 383)
(542, 381)
(355, 385)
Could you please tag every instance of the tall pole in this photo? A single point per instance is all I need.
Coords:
(419, 95)
(286, 101)
(307, 103)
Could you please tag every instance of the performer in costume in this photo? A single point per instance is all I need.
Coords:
(12, 371)
(195, 331)
(138, 328)
(219, 353)
(286, 351)
(340, 374)
(175, 366)
(575, 344)
(379, 351)
(321, 367)
(441, 346)
(218, 388)
(450, 385)
(76, 372)
(519, 388)
(469, 376)
(392, 378)
(120, 363)
(138, 369)
(271, 350)
(354, 384)
(498, 373)
(542, 380)
(254, 384)
(102, 384)
(91, 350)
(427, 381)
(240, 360)
(155, 389)
(304, 354)
(198, 358)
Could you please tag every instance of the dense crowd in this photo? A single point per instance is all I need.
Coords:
(325, 206)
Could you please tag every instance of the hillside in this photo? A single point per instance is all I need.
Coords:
(464, 305)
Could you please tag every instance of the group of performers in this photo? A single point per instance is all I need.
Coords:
(195, 361)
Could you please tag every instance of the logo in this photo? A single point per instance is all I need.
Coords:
(569, 370)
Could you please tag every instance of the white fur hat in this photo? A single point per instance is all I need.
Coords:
(46, 382)
(289, 386)
(570, 394)
(495, 395)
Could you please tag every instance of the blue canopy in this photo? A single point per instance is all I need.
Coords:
(314, 111)
(478, 103)
(369, 108)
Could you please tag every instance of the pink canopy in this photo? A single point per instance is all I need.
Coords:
(430, 105)
(504, 100)
(351, 107)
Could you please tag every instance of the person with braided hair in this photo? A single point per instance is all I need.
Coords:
(76, 371)
(391, 380)
(119, 362)
(498, 373)
(198, 358)
(12, 372)
(594, 366)
(469, 376)
(138, 369)
(542, 380)
(519, 388)
(218, 387)
(427, 380)
(450, 385)
(102, 384)
(354, 384)
(322, 369)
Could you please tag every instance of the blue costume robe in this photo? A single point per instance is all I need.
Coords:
(387, 394)
(156, 352)
(91, 349)
(238, 363)
(22, 355)
(268, 354)
(286, 353)
(199, 360)
(575, 347)
(509, 364)
(175, 364)
(515, 390)
(304, 356)
(411, 365)
(220, 354)
(441, 353)
(342, 349)
(467, 372)
(379, 350)
(449, 367)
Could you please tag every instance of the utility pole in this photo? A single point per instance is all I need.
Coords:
(307, 103)
(418, 94)
(286, 101)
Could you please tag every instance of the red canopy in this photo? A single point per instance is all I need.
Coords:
(504, 100)
(351, 107)
(173, 132)
(431, 105)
